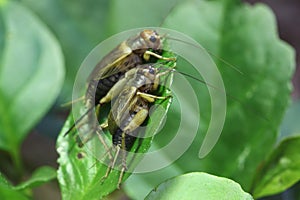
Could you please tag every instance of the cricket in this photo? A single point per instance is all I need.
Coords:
(129, 76)
(126, 81)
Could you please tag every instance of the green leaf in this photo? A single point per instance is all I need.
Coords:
(7, 191)
(246, 37)
(290, 125)
(200, 186)
(280, 171)
(40, 176)
(31, 73)
(79, 172)
(79, 27)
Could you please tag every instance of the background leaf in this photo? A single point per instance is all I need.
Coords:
(290, 125)
(121, 21)
(31, 74)
(280, 171)
(8, 192)
(246, 37)
(200, 186)
(79, 172)
(40, 176)
(79, 27)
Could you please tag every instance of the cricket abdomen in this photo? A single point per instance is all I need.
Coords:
(128, 140)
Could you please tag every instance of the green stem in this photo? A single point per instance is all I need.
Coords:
(16, 159)
(10, 141)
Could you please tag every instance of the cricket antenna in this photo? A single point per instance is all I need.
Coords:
(197, 79)
(72, 102)
(226, 93)
(212, 54)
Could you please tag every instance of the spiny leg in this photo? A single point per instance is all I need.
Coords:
(107, 149)
(137, 120)
(168, 70)
(123, 149)
(112, 164)
(93, 124)
(124, 168)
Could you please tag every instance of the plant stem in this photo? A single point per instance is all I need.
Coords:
(16, 159)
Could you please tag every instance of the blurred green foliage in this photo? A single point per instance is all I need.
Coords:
(40, 40)
(31, 75)
(281, 170)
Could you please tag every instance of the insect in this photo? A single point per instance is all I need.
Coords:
(127, 55)
(142, 48)
(116, 78)
(131, 107)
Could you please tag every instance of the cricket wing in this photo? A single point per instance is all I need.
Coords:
(110, 64)
(121, 107)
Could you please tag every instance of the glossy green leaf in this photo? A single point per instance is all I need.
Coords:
(280, 171)
(31, 73)
(246, 37)
(40, 176)
(79, 172)
(200, 186)
(7, 191)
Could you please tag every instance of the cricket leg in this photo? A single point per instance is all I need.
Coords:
(112, 164)
(147, 55)
(151, 98)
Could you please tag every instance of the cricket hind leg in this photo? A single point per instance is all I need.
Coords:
(122, 144)
(129, 141)
(99, 132)
(91, 121)
(112, 163)
(94, 129)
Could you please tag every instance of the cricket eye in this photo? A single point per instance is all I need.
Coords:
(152, 39)
(151, 71)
